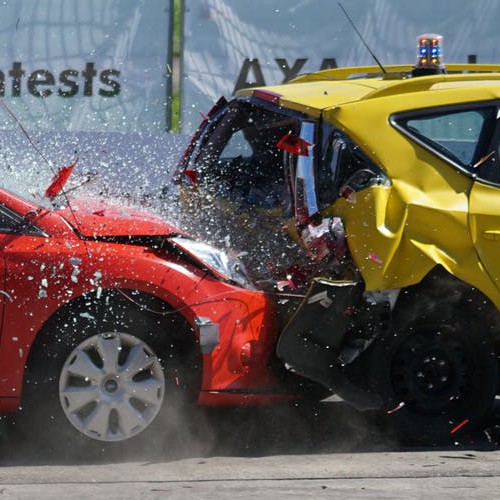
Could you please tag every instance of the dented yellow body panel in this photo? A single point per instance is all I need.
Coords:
(399, 233)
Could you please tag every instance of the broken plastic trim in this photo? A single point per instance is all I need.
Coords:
(59, 180)
(267, 95)
(208, 334)
(294, 144)
(330, 329)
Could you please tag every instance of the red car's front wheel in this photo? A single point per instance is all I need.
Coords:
(111, 386)
(107, 370)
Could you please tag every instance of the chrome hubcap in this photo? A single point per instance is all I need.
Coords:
(111, 386)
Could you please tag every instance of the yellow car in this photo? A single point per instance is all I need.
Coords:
(389, 177)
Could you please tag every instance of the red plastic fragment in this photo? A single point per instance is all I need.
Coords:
(294, 144)
(459, 426)
(346, 192)
(373, 256)
(59, 180)
(192, 176)
(267, 95)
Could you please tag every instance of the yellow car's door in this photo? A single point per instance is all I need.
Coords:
(484, 210)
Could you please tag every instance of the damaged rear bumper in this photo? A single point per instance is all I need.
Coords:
(332, 328)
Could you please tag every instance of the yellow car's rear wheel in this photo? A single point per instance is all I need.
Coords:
(439, 370)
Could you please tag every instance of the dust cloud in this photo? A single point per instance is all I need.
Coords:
(207, 432)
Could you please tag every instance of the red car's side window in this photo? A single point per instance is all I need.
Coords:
(8, 222)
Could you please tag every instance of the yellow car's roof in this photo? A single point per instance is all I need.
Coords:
(314, 92)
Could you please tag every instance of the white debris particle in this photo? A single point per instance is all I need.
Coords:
(30, 278)
(15, 339)
(97, 277)
(75, 261)
(99, 292)
(86, 315)
(20, 353)
(44, 283)
(74, 275)
(42, 293)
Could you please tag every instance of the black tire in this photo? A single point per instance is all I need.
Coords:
(437, 373)
(164, 344)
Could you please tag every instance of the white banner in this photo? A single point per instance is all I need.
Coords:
(229, 44)
(86, 65)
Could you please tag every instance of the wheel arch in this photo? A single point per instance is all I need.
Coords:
(440, 289)
(114, 303)
(124, 320)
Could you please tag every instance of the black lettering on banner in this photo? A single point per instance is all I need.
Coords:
(243, 80)
(106, 80)
(253, 66)
(66, 81)
(329, 63)
(88, 74)
(42, 83)
(40, 77)
(16, 73)
(290, 72)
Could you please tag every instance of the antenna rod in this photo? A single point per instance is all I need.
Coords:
(25, 132)
(361, 38)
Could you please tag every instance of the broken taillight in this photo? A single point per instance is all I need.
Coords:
(266, 95)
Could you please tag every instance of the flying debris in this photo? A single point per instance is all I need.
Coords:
(59, 181)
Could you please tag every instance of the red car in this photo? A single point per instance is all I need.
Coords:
(109, 314)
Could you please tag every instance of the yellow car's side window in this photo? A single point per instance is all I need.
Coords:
(459, 133)
(462, 135)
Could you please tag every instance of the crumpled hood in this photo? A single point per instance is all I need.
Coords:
(97, 220)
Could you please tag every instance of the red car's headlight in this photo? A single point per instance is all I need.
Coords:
(219, 262)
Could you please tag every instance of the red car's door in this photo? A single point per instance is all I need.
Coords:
(12, 226)
(8, 224)
(3, 293)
